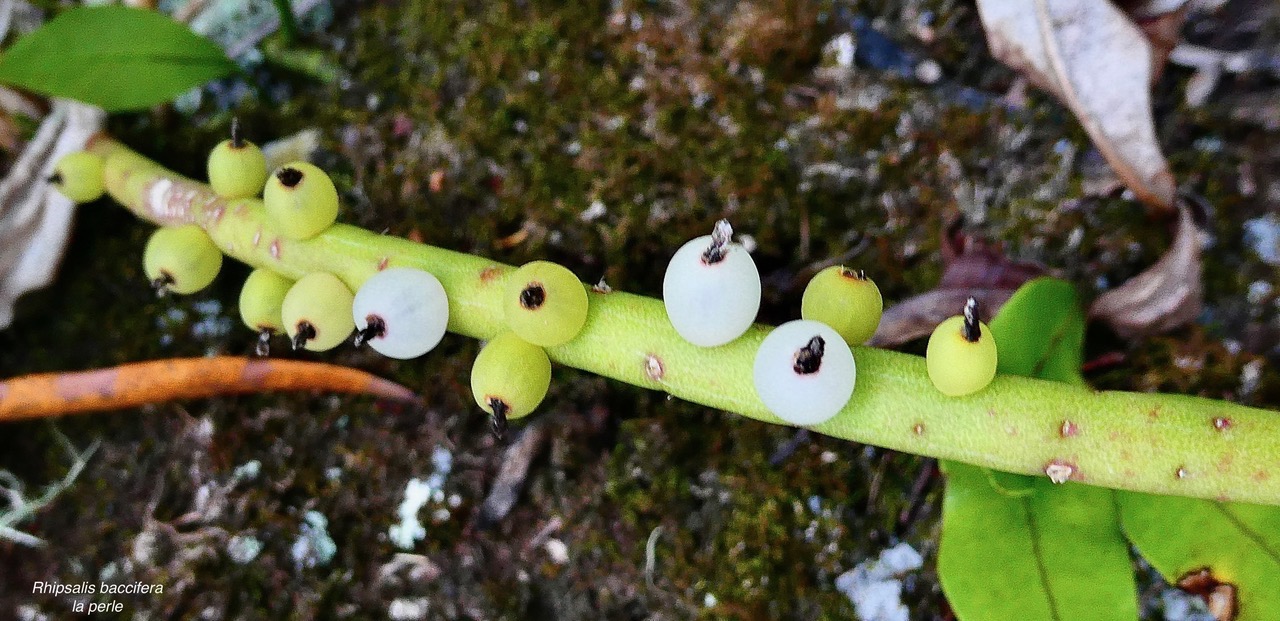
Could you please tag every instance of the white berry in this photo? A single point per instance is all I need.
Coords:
(401, 312)
(804, 372)
(711, 289)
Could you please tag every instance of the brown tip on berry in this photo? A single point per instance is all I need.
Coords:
(809, 358)
(263, 347)
(498, 416)
(306, 332)
(971, 331)
(533, 296)
(374, 328)
(55, 178)
(162, 283)
(721, 235)
(853, 274)
(237, 141)
(289, 177)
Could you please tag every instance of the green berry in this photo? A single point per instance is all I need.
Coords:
(845, 300)
(510, 378)
(961, 356)
(544, 303)
(301, 200)
(237, 168)
(78, 176)
(181, 259)
(261, 299)
(317, 312)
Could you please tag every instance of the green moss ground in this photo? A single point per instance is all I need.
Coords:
(528, 115)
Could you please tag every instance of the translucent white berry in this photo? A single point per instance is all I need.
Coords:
(804, 372)
(711, 289)
(401, 312)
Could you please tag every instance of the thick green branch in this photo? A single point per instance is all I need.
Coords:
(1167, 444)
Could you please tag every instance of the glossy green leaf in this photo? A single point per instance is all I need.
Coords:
(1239, 544)
(1016, 547)
(1040, 332)
(115, 57)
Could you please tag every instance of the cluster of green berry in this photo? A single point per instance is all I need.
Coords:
(804, 370)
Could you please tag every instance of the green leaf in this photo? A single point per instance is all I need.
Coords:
(115, 57)
(1238, 543)
(1016, 547)
(1040, 332)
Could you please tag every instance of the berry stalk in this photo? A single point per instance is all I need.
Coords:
(1163, 444)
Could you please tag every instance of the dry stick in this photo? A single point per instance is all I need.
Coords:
(131, 385)
(1168, 444)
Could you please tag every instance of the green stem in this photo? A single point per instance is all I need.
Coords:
(1164, 444)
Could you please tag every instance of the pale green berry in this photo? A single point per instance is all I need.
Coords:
(544, 303)
(181, 259)
(961, 356)
(317, 312)
(845, 300)
(236, 167)
(261, 298)
(510, 378)
(78, 176)
(301, 200)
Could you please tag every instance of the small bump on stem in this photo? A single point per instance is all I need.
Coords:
(498, 419)
(721, 235)
(161, 285)
(971, 331)
(533, 296)
(1059, 472)
(374, 328)
(289, 177)
(809, 358)
(306, 332)
(237, 141)
(263, 347)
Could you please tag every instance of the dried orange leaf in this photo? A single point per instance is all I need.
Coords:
(130, 385)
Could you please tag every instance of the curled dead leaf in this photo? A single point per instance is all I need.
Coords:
(1168, 295)
(1094, 59)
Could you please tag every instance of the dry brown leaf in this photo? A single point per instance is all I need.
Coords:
(1168, 295)
(1095, 60)
(971, 268)
(35, 219)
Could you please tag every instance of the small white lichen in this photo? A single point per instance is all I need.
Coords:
(557, 550)
(313, 547)
(243, 549)
(417, 493)
(405, 609)
(875, 587)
